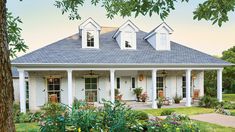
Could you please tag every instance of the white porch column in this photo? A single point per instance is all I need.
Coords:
(188, 87)
(22, 91)
(112, 71)
(154, 92)
(219, 84)
(70, 88)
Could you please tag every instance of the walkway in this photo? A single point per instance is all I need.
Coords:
(218, 119)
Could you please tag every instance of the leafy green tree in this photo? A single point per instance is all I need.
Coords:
(210, 77)
(215, 11)
(229, 72)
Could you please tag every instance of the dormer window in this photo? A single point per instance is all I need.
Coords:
(128, 40)
(89, 32)
(163, 38)
(159, 37)
(126, 35)
(90, 38)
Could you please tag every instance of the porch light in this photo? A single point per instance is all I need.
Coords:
(164, 73)
(141, 77)
(50, 79)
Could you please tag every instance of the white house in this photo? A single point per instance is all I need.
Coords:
(91, 64)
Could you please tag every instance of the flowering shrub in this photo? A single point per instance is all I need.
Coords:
(173, 123)
(110, 118)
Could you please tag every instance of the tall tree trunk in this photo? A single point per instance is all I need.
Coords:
(6, 84)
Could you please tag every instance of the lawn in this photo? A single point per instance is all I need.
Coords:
(27, 127)
(208, 127)
(182, 110)
(229, 97)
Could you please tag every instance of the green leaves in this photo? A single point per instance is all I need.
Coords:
(211, 10)
(215, 11)
(70, 6)
(15, 41)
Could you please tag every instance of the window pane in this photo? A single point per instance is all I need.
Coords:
(57, 87)
(118, 82)
(87, 80)
(50, 80)
(56, 81)
(93, 80)
(90, 38)
(93, 86)
(133, 82)
(87, 86)
(50, 87)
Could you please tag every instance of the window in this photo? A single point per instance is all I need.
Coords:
(27, 94)
(184, 86)
(133, 82)
(128, 39)
(53, 85)
(90, 38)
(163, 38)
(160, 86)
(91, 89)
(118, 83)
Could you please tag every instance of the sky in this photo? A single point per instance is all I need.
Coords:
(44, 24)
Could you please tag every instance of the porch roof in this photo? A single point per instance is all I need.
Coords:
(69, 51)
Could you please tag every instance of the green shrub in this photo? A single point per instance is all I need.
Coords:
(212, 92)
(208, 102)
(53, 118)
(172, 123)
(16, 112)
(140, 115)
(24, 118)
(228, 105)
(36, 117)
(167, 112)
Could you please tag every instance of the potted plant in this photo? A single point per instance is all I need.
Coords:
(144, 97)
(118, 96)
(138, 92)
(177, 99)
(159, 102)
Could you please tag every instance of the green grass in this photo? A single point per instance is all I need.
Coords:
(229, 97)
(27, 127)
(209, 127)
(181, 110)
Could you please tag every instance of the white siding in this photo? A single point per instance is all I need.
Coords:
(38, 87)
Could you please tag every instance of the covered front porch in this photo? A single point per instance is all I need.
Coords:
(95, 84)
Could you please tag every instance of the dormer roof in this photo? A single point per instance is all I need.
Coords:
(163, 24)
(136, 29)
(89, 20)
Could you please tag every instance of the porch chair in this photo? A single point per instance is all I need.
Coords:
(196, 93)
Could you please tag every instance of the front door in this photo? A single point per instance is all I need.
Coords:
(125, 89)
(91, 89)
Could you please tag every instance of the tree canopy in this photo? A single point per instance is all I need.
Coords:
(14, 38)
(215, 11)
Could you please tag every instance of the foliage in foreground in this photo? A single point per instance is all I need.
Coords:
(112, 117)
(215, 11)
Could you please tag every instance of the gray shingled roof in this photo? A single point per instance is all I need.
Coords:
(69, 51)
